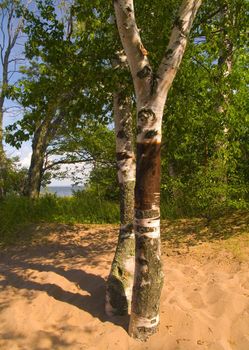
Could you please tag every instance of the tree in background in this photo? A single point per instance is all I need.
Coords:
(194, 126)
(58, 90)
(10, 31)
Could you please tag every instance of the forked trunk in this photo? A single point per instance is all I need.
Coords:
(151, 93)
(120, 280)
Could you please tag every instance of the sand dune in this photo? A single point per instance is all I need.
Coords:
(52, 295)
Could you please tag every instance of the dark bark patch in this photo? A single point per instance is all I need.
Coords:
(146, 114)
(122, 156)
(142, 261)
(143, 333)
(139, 130)
(116, 293)
(144, 72)
(147, 214)
(142, 229)
(148, 175)
(121, 134)
(178, 22)
(128, 229)
(153, 83)
(168, 53)
(150, 134)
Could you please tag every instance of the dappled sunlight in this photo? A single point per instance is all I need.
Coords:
(53, 287)
(191, 232)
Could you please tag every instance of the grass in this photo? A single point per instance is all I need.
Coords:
(16, 212)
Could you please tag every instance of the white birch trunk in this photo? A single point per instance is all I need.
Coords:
(151, 93)
(120, 280)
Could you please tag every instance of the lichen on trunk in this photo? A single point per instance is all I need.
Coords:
(120, 280)
(148, 280)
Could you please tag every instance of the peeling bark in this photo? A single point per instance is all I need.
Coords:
(151, 92)
(120, 280)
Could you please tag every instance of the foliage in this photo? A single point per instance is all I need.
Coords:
(205, 153)
(13, 177)
(71, 73)
(103, 182)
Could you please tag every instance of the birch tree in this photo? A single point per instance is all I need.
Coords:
(120, 280)
(151, 89)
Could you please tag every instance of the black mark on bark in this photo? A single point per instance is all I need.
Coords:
(121, 134)
(150, 134)
(144, 72)
(168, 53)
(145, 114)
(122, 156)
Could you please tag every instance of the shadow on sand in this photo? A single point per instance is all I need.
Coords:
(15, 268)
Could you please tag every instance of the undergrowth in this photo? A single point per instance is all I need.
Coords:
(16, 212)
(87, 208)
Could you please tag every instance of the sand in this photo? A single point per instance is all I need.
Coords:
(52, 294)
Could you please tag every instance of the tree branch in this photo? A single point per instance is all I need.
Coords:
(177, 44)
(66, 161)
(206, 18)
(133, 46)
(202, 65)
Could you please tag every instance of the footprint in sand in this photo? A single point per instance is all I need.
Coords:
(195, 299)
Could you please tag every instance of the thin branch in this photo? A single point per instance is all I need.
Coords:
(210, 16)
(2, 30)
(201, 64)
(66, 161)
(16, 59)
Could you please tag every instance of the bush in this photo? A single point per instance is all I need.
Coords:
(12, 177)
(204, 193)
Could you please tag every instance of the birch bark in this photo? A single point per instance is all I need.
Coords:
(120, 280)
(151, 92)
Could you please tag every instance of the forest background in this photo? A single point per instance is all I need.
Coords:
(63, 84)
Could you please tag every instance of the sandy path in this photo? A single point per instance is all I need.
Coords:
(52, 296)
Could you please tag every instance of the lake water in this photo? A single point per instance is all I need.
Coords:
(61, 191)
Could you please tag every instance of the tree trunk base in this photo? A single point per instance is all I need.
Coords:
(120, 280)
(141, 328)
